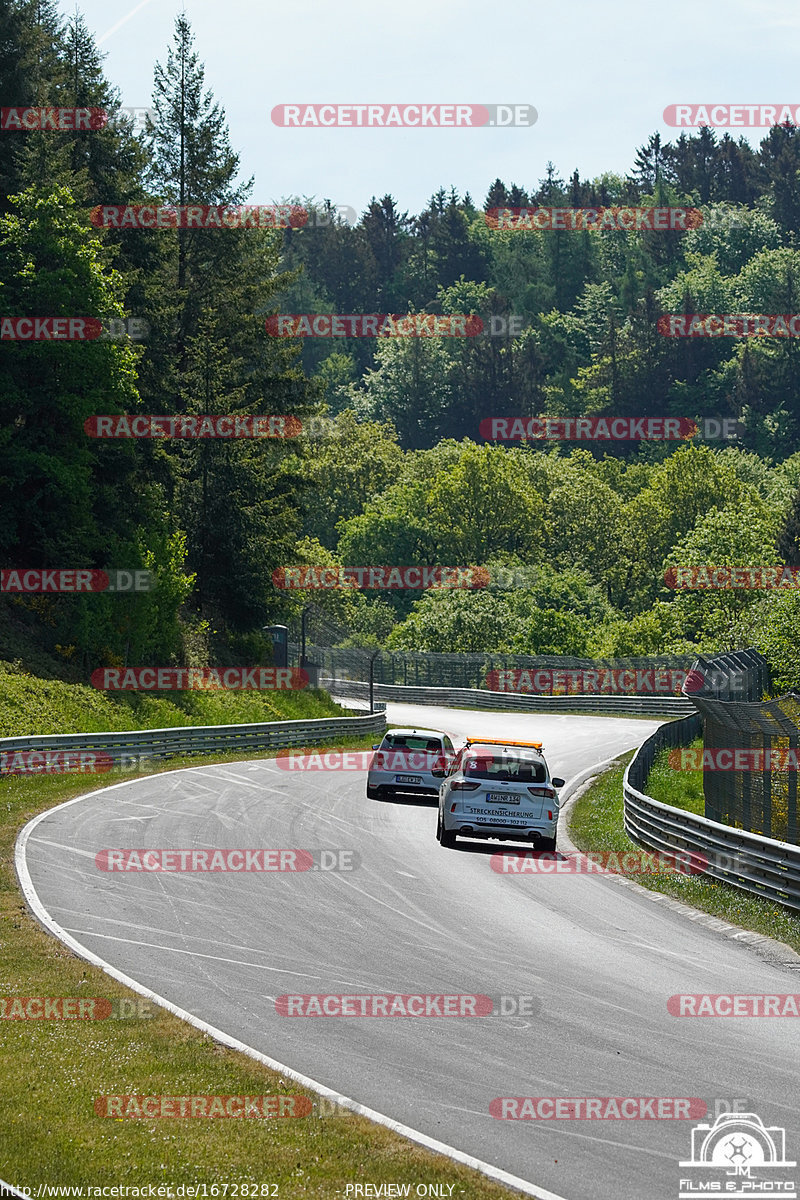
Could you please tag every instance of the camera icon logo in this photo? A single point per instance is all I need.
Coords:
(740, 1140)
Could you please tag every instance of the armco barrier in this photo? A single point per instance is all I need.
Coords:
(755, 864)
(676, 706)
(205, 739)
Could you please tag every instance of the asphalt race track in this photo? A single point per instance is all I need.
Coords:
(599, 958)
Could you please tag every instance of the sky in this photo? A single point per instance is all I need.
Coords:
(599, 75)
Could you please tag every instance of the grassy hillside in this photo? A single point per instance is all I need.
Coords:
(30, 705)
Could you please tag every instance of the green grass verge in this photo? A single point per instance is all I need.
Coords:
(681, 789)
(596, 824)
(51, 1072)
(30, 705)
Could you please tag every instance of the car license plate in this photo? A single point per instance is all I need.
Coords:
(501, 798)
(408, 779)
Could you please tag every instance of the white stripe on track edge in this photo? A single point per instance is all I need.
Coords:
(52, 926)
(8, 1189)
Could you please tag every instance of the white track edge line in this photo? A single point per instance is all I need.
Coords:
(759, 943)
(52, 926)
(8, 1187)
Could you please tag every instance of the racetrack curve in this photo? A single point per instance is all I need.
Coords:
(600, 959)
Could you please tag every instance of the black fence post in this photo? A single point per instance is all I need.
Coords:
(303, 616)
(372, 681)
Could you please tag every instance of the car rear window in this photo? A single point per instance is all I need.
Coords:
(432, 745)
(505, 768)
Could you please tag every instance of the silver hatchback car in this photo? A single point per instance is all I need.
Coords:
(499, 790)
(409, 761)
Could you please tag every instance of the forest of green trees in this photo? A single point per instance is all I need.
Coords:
(399, 474)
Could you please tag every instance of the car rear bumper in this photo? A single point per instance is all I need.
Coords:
(386, 781)
(501, 833)
(402, 789)
(465, 824)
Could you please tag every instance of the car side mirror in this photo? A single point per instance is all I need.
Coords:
(374, 747)
(557, 783)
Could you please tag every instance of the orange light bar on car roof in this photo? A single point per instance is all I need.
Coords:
(471, 741)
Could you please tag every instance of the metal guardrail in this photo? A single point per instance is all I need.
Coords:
(462, 669)
(739, 711)
(204, 739)
(482, 699)
(761, 866)
(758, 865)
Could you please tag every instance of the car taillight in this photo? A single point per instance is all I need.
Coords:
(463, 785)
(546, 793)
